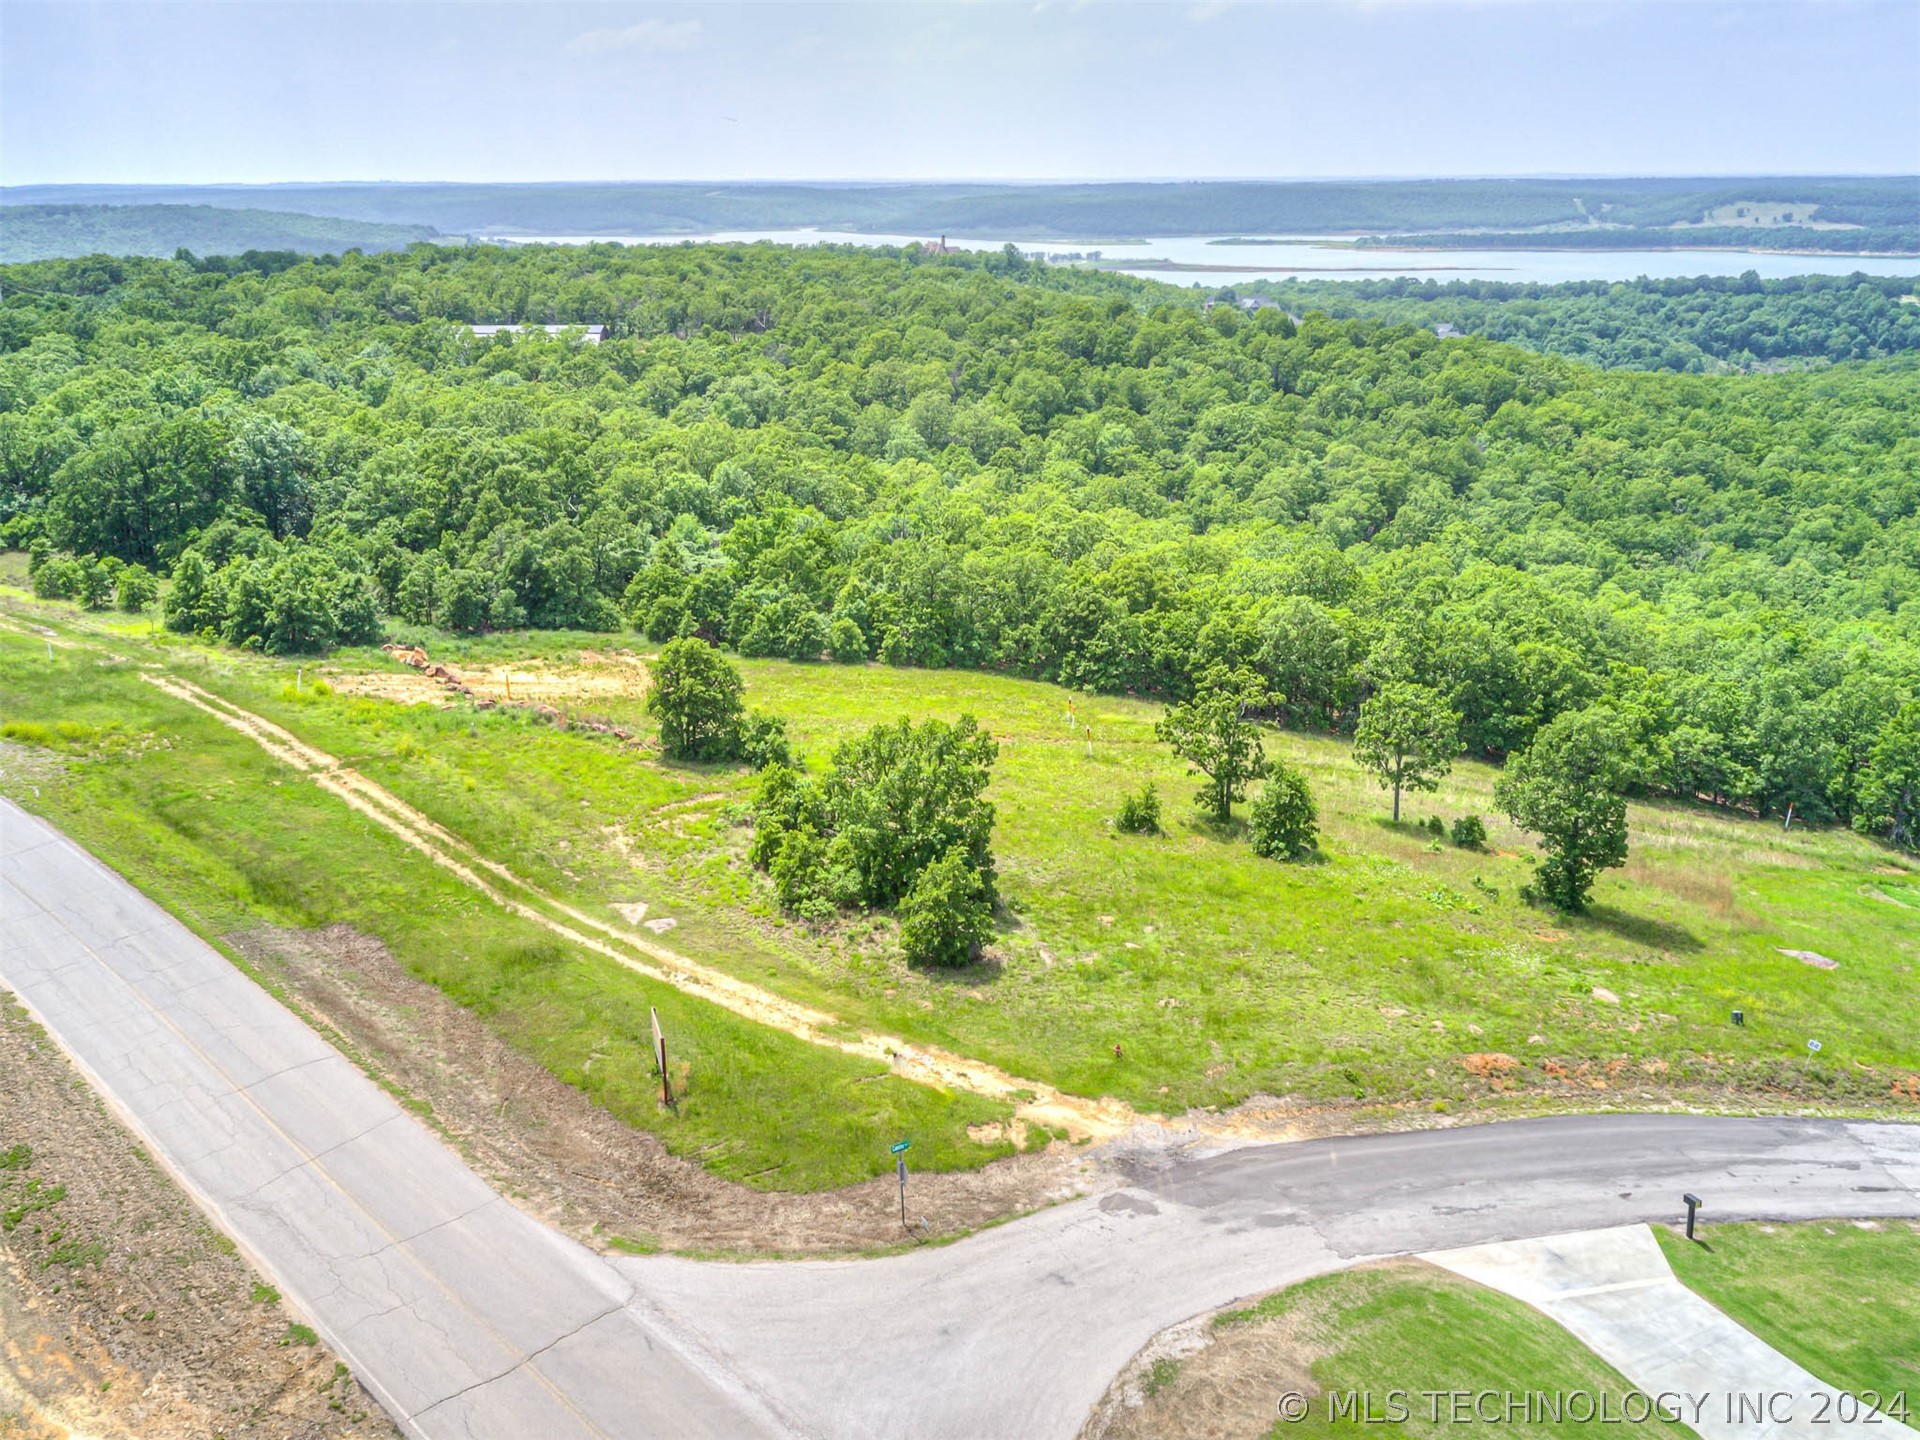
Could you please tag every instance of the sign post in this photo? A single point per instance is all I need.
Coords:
(900, 1169)
(660, 1058)
(1813, 1049)
(1693, 1204)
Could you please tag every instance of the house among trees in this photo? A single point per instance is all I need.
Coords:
(1251, 304)
(592, 334)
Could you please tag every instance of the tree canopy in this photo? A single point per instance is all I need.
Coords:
(1407, 737)
(695, 695)
(1216, 735)
(1568, 787)
(978, 461)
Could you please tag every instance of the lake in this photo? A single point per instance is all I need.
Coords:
(1297, 255)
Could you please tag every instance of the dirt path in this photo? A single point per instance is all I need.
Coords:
(1034, 1102)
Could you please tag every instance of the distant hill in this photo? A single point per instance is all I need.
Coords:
(49, 232)
(1083, 211)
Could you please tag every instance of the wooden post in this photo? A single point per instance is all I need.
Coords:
(660, 1058)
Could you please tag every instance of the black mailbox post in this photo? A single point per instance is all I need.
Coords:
(1693, 1204)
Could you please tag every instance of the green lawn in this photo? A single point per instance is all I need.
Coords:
(1411, 1329)
(1840, 1298)
(1365, 980)
(223, 835)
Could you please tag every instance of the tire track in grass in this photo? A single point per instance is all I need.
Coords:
(928, 1065)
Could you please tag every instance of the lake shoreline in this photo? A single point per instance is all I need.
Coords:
(1646, 249)
(1128, 267)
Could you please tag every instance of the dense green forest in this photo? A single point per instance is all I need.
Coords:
(44, 232)
(1702, 323)
(976, 461)
(1108, 211)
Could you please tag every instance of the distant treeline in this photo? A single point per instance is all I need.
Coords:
(1703, 323)
(48, 232)
(1871, 240)
(1038, 211)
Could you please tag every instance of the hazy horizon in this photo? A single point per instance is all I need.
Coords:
(881, 181)
(187, 92)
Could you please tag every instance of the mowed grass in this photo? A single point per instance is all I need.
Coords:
(1412, 1329)
(225, 837)
(1840, 1298)
(1394, 971)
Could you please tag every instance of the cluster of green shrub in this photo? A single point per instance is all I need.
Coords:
(698, 699)
(964, 460)
(283, 597)
(95, 581)
(897, 821)
(1695, 324)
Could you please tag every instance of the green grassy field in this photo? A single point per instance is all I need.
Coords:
(226, 838)
(1840, 1298)
(1368, 976)
(1414, 1329)
(1394, 975)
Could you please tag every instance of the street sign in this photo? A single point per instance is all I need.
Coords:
(900, 1145)
(1814, 1046)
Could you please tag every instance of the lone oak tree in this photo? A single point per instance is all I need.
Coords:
(1407, 736)
(1213, 734)
(1566, 788)
(696, 698)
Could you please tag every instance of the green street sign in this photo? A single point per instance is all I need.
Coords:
(900, 1145)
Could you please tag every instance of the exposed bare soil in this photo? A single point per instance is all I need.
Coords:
(569, 1162)
(597, 677)
(1200, 1381)
(124, 1315)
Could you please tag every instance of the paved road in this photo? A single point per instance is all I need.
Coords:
(1017, 1331)
(469, 1319)
(465, 1317)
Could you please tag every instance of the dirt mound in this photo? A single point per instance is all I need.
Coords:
(1489, 1063)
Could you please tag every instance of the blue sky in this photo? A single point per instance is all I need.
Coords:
(448, 90)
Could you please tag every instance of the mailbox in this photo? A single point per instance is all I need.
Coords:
(1693, 1204)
